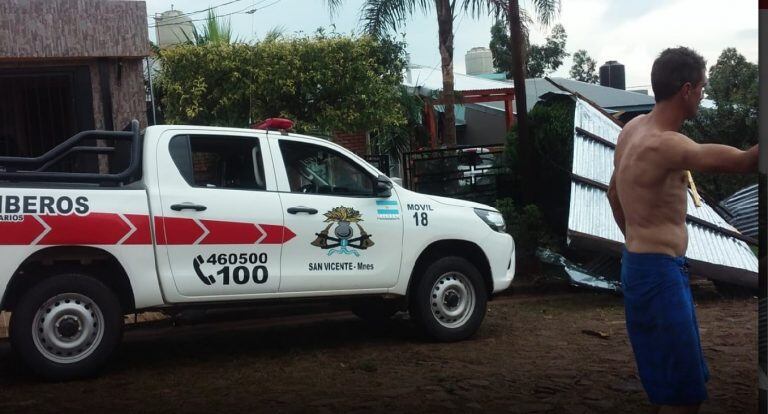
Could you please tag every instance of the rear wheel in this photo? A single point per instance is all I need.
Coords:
(66, 326)
(449, 301)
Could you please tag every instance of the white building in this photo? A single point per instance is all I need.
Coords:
(173, 27)
(479, 60)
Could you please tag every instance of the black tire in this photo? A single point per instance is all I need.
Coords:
(72, 298)
(428, 296)
(376, 310)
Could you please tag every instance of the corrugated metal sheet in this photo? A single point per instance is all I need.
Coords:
(742, 207)
(432, 80)
(590, 213)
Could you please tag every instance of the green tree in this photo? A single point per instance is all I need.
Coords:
(545, 10)
(733, 82)
(733, 86)
(345, 84)
(584, 67)
(215, 31)
(380, 16)
(540, 60)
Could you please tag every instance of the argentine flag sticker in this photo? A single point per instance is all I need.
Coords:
(387, 210)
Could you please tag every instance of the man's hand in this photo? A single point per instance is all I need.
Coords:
(680, 152)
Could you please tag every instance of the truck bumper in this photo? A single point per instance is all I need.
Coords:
(500, 248)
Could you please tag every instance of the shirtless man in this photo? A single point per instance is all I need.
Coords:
(648, 196)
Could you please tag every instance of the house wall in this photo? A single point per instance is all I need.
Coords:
(44, 34)
(356, 142)
(483, 127)
(126, 85)
(72, 29)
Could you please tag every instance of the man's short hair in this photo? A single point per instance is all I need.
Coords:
(673, 68)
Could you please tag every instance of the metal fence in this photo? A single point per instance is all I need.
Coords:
(473, 173)
(379, 161)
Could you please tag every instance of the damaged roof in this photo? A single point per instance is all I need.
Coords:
(716, 249)
(742, 208)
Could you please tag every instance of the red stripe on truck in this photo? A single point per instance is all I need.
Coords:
(228, 232)
(181, 231)
(134, 229)
(276, 234)
(95, 228)
(143, 233)
(22, 232)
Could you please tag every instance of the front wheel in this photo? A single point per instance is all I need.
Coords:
(66, 326)
(449, 301)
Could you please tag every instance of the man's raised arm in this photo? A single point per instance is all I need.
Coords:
(681, 152)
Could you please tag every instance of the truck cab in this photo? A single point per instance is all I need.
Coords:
(215, 216)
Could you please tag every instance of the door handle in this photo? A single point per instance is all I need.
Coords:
(188, 206)
(296, 210)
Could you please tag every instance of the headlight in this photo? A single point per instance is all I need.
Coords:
(493, 219)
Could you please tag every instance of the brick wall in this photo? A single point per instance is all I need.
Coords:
(72, 28)
(356, 142)
(128, 93)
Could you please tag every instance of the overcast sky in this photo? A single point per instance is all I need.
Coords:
(630, 31)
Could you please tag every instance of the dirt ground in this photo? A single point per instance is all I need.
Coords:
(530, 356)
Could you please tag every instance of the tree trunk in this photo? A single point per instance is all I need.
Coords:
(524, 147)
(445, 29)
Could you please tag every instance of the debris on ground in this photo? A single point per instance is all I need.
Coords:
(577, 275)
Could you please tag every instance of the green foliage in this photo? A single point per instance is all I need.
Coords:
(733, 82)
(733, 86)
(215, 31)
(552, 135)
(540, 60)
(325, 83)
(527, 226)
(584, 67)
(397, 138)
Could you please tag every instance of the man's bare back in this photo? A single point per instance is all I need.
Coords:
(652, 195)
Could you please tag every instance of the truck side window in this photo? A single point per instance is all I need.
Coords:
(315, 169)
(219, 162)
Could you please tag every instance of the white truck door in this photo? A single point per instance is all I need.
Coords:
(346, 237)
(221, 223)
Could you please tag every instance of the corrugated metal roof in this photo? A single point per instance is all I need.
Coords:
(431, 79)
(742, 207)
(590, 213)
(607, 98)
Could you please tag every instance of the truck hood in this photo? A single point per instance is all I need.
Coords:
(460, 203)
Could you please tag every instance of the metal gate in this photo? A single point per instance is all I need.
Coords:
(473, 173)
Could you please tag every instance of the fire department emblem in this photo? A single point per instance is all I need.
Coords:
(343, 240)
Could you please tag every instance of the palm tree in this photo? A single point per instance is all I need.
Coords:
(382, 15)
(545, 11)
(215, 31)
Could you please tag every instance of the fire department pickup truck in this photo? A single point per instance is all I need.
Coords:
(210, 216)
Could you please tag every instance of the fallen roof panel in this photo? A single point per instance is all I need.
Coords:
(714, 249)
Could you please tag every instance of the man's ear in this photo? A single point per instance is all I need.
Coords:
(686, 90)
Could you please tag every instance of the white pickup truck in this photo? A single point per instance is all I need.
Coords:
(210, 216)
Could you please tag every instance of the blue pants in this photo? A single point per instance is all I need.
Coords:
(662, 327)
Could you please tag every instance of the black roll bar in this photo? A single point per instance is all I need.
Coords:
(34, 168)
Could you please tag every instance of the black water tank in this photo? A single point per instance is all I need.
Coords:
(612, 75)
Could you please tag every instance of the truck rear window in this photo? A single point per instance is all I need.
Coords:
(219, 162)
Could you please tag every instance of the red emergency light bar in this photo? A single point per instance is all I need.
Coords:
(274, 123)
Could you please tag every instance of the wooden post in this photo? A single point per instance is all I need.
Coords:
(429, 109)
(509, 116)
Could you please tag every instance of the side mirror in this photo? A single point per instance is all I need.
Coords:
(383, 187)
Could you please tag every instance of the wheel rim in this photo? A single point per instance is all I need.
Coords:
(67, 328)
(452, 300)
